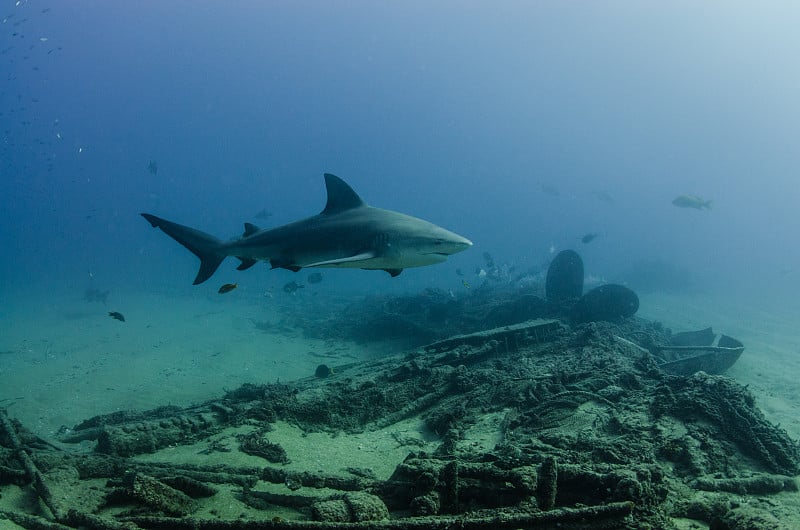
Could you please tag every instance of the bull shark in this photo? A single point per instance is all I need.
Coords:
(348, 233)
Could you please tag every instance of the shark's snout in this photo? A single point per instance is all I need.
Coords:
(452, 244)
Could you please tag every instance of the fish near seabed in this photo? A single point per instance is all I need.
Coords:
(292, 287)
(228, 287)
(691, 201)
(348, 233)
(96, 295)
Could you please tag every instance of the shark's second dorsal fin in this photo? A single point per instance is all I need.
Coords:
(250, 229)
(341, 196)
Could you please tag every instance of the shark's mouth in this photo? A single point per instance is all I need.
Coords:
(430, 258)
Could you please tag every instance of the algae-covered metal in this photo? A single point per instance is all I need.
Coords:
(694, 351)
(508, 338)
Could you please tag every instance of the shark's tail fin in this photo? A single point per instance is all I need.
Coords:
(206, 247)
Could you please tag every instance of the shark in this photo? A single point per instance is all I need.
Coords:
(348, 233)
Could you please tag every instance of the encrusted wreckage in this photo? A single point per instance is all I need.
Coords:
(591, 433)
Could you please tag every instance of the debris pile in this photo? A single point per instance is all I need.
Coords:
(590, 433)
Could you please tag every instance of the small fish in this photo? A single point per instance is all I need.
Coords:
(116, 315)
(549, 189)
(292, 287)
(691, 201)
(588, 238)
(603, 196)
(152, 167)
(465, 283)
(314, 277)
(263, 214)
(228, 287)
(96, 295)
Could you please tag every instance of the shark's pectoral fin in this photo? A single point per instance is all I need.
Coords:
(276, 263)
(246, 264)
(363, 256)
(394, 272)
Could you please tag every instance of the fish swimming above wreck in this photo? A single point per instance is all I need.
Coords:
(292, 287)
(691, 201)
(96, 295)
(348, 233)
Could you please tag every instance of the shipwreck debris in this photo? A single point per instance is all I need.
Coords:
(506, 339)
(587, 431)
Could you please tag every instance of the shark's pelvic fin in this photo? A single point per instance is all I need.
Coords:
(277, 263)
(394, 272)
(246, 264)
(341, 196)
(204, 246)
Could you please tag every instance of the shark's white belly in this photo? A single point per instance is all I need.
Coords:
(385, 261)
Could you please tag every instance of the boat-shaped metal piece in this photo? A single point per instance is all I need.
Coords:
(695, 351)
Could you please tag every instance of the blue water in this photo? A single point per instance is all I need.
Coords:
(522, 126)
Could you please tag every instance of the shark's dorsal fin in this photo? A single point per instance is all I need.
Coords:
(341, 196)
(250, 229)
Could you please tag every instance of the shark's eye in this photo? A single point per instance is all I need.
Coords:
(438, 242)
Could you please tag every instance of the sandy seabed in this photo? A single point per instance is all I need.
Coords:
(67, 360)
